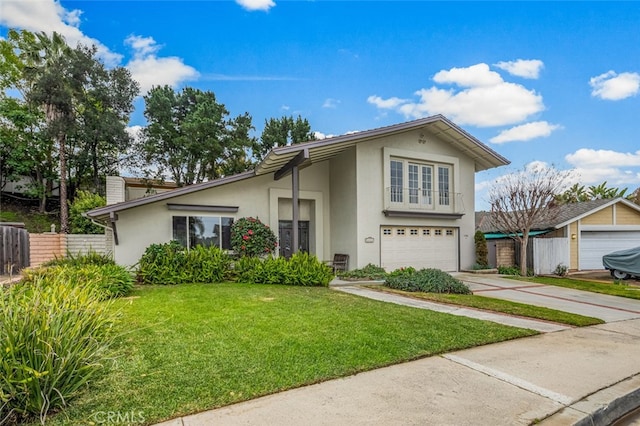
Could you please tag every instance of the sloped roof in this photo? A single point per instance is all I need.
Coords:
(566, 213)
(438, 125)
(484, 157)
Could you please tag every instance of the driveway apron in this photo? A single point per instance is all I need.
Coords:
(608, 308)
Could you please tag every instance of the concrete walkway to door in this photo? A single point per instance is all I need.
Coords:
(608, 308)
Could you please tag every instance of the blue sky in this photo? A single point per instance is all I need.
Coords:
(549, 82)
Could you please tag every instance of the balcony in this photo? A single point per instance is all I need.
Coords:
(412, 202)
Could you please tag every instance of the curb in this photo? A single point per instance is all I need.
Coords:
(601, 408)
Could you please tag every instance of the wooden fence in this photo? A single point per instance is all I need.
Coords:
(14, 249)
(548, 254)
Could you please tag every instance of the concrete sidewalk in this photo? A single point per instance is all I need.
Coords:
(567, 377)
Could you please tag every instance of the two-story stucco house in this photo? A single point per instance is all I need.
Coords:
(401, 195)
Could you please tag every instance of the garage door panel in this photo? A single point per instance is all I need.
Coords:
(419, 247)
(595, 244)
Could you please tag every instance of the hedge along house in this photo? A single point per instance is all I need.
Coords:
(583, 233)
(395, 196)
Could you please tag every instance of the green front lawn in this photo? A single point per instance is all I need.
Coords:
(194, 347)
(621, 289)
(502, 306)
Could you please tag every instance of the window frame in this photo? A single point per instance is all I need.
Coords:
(223, 236)
(422, 178)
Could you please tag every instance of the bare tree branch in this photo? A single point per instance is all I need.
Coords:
(525, 198)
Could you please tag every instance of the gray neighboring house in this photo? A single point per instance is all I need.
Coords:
(585, 231)
(401, 195)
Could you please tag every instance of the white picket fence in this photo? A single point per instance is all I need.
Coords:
(548, 253)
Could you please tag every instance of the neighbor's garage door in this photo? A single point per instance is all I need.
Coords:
(420, 247)
(595, 244)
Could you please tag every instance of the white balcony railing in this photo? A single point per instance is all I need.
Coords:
(423, 200)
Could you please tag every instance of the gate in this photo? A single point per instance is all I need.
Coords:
(548, 254)
(14, 249)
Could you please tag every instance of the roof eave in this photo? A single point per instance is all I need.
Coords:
(103, 212)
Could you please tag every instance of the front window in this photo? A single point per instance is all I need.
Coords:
(207, 231)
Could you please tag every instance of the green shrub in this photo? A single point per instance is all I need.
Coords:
(83, 202)
(79, 259)
(561, 270)
(54, 339)
(170, 263)
(369, 272)
(301, 269)
(250, 237)
(509, 270)
(425, 280)
(108, 281)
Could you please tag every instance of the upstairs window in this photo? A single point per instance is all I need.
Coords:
(396, 181)
(444, 196)
(419, 183)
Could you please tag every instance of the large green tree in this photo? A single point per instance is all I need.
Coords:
(190, 137)
(27, 150)
(69, 108)
(98, 137)
(282, 132)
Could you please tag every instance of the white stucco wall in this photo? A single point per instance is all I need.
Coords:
(258, 197)
(344, 212)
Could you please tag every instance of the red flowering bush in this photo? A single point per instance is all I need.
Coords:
(250, 237)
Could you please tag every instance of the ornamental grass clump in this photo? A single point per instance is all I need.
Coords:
(251, 237)
(54, 339)
(107, 280)
(425, 280)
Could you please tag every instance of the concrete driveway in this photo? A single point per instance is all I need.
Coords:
(608, 308)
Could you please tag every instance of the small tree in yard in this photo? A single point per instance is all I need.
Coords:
(481, 249)
(524, 199)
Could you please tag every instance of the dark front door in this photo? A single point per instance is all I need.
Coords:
(285, 233)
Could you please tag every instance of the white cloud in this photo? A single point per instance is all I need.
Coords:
(390, 103)
(330, 103)
(586, 158)
(613, 87)
(473, 76)
(142, 46)
(525, 132)
(49, 16)
(525, 68)
(149, 70)
(285, 107)
(614, 177)
(320, 135)
(485, 100)
(134, 131)
(252, 5)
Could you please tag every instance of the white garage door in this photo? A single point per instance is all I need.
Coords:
(595, 244)
(419, 246)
